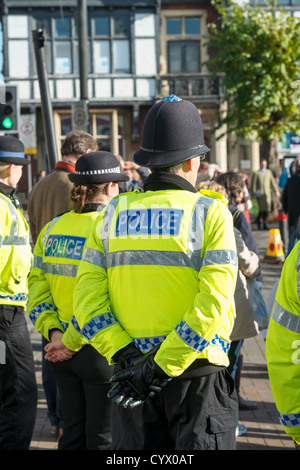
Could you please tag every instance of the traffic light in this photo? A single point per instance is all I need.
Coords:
(9, 111)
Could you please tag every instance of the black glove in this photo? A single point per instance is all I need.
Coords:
(126, 357)
(134, 384)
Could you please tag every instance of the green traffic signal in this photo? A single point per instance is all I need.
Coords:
(7, 123)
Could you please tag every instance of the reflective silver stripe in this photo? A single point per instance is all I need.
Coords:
(94, 257)
(167, 258)
(38, 262)
(45, 235)
(57, 269)
(287, 319)
(289, 420)
(13, 238)
(110, 212)
(220, 257)
(148, 257)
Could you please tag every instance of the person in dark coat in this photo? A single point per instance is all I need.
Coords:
(291, 205)
(234, 185)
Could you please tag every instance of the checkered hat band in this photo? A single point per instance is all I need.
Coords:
(99, 172)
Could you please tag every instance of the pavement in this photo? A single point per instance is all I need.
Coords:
(263, 429)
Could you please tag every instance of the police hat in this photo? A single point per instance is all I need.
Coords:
(97, 167)
(172, 133)
(12, 151)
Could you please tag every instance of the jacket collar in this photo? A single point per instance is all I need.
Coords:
(160, 181)
(6, 190)
(10, 192)
(63, 165)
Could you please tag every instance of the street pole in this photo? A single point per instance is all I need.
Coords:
(83, 48)
(47, 112)
(80, 109)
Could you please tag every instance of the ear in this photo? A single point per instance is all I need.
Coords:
(109, 189)
(187, 165)
(10, 169)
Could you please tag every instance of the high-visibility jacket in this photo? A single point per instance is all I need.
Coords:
(159, 267)
(15, 254)
(283, 346)
(57, 253)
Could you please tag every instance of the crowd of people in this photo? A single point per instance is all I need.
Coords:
(138, 276)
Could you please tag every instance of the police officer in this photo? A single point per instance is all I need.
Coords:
(154, 294)
(18, 391)
(283, 346)
(83, 377)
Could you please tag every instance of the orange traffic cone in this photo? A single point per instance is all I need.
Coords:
(275, 251)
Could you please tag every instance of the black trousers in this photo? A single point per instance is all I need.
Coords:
(18, 389)
(196, 414)
(83, 385)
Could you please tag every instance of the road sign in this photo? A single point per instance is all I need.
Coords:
(80, 115)
(27, 132)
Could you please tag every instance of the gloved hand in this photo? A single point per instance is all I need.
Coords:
(126, 357)
(134, 384)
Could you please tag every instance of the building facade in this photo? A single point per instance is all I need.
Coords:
(138, 53)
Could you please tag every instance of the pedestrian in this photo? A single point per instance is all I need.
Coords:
(284, 176)
(157, 282)
(263, 182)
(202, 173)
(234, 185)
(246, 204)
(51, 195)
(282, 346)
(49, 198)
(245, 325)
(291, 205)
(18, 390)
(137, 176)
(83, 377)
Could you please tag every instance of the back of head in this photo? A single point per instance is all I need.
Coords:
(93, 172)
(12, 151)
(172, 133)
(78, 143)
(233, 183)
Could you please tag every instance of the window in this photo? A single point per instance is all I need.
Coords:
(61, 45)
(183, 44)
(18, 45)
(111, 44)
(107, 126)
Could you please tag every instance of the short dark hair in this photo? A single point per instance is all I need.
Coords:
(77, 143)
(167, 169)
(233, 183)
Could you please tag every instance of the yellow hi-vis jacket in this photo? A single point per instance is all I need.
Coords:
(57, 254)
(283, 346)
(159, 267)
(15, 254)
